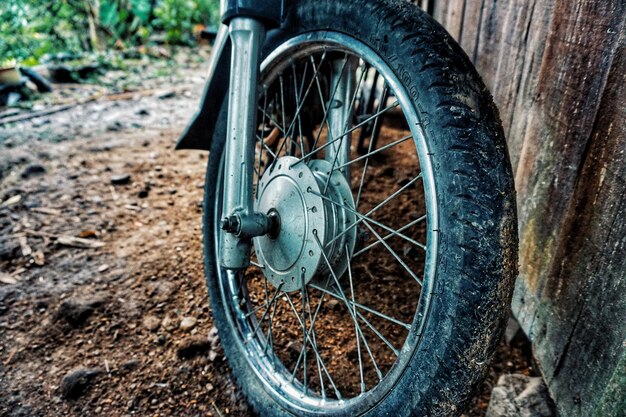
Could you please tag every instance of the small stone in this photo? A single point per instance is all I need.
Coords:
(9, 248)
(187, 323)
(168, 323)
(75, 383)
(151, 323)
(130, 364)
(166, 94)
(333, 304)
(122, 179)
(7, 279)
(193, 347)
(32, 171)
(161, 339)
(214, 337)
(103, 268)
(410, 251)
(388, 172)
(520, 396)
(513, 332)
(74, 312)
(294, 349)
(114, 127)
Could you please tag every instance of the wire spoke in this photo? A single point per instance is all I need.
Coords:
(367, 155)
(372, 211)
(377, 333)
(347, 132)
(369, 150)
(395, 255)
(297, 94)
(258, 325)
(389, 235)
(258, 265)
(267, 148)
(255, 310)
(304, 331)
(271, 335)
(312, 321)
(328, 104)
(356, 330)
(262, 140)
(363, 307)
(306, 94)
(314, 347)
(364, 218)
(345, 126)
(345, 300)
(311, 332)
(282, 104)
(271, 119)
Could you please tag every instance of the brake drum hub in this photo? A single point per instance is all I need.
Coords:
(293, 258)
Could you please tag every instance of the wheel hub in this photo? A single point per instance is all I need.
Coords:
(292, 257)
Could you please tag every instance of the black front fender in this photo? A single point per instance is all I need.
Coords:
(199, 132)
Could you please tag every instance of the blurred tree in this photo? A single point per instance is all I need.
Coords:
(32, 28)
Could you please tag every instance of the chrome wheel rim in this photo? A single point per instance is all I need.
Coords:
(247, 315)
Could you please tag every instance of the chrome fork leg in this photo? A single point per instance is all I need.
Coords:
(340, 112)
(247, 36)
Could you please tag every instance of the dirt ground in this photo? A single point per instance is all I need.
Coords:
(103, 307)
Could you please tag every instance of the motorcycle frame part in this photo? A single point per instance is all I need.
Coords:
(340, 112)
(247, 36)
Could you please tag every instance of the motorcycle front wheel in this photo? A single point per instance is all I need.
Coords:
(388, 286)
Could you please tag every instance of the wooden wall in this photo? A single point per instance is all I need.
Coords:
(557, 70)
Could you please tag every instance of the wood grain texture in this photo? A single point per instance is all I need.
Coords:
(557, 71)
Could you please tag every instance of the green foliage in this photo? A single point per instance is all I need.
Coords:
(126, 20)
(177, 17)
(31, 28)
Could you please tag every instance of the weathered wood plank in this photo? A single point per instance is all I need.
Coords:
(530, 70)
(579, 51)
(440, 12)
(489, 41)
(583, 330)
(472, 18)
(557, 72)
(454, 18)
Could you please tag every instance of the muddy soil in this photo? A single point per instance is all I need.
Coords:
(103, 307)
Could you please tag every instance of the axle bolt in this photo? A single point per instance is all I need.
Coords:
(273, 220)
(230, 224)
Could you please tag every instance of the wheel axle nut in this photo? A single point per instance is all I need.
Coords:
(230, 224)
(252, 225)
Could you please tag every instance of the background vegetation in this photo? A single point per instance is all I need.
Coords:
(30, 29)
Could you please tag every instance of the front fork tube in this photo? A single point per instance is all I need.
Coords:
(247, 36)
(241, 223)
(340, 113)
